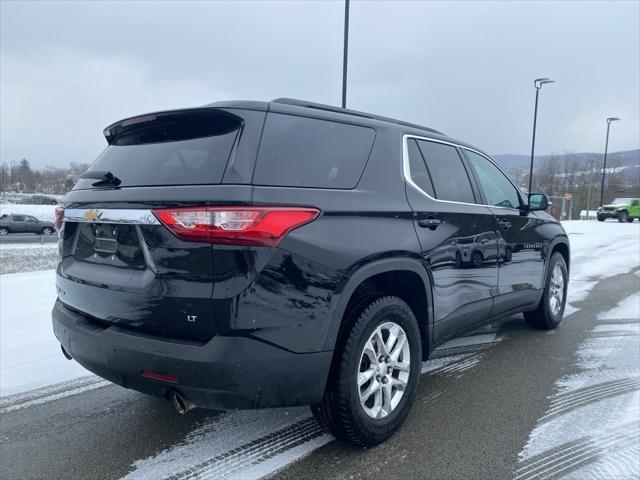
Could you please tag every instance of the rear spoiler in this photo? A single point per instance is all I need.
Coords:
(205, 121)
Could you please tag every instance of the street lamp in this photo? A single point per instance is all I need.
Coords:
(606, 147)
(344, 54)
(538, 82)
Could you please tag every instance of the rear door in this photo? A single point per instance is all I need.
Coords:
(522, 243)
(20, 224)
(121, 266)
(456, 235)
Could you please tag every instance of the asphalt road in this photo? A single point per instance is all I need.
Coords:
(466, 422)
(28, 238)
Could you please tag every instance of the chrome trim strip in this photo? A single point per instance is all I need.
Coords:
(110, 215)
(406, 170)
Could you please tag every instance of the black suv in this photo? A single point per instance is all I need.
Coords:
(248, 254)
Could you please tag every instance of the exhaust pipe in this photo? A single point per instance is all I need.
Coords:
(65, 353)
(181, 404)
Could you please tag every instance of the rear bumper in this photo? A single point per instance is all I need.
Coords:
(224, 373)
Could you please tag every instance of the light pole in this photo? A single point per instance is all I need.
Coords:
(344, 54)
(606, 147)
(538, 82)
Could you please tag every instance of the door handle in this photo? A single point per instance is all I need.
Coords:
(506, 225)
(431, 223)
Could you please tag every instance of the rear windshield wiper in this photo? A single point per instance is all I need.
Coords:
(104, 178)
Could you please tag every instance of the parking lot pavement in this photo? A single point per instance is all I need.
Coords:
(501, 402)
(480, 400)
(573, 411)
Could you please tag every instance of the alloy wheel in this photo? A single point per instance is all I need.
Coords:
(384, 370)
(556, 290)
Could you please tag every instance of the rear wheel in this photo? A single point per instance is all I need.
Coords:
(630, 220)
(600, 219)
(549, 313)
(476, 259)
(623, 217)
(376, 377)
(47, 231)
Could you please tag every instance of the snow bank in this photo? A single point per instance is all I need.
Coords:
(598, 251)
(30, 355)
(27, 257)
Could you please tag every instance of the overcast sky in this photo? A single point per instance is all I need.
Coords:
(465, 68)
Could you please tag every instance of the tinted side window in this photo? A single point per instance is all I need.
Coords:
(418, 170)
(307, 152)
(497, 188)
(450, 179)
(18, 218)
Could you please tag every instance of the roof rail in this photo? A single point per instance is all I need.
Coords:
(346, 111)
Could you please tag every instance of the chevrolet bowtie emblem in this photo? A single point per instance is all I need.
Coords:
(92, 215)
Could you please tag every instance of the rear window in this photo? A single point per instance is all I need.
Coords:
(305, 152)
(177, 148)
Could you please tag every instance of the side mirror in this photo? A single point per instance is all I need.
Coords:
(538, 201)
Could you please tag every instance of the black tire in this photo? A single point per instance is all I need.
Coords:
(630, 219)
(458, 260)
(47, 231)
(600, 219)
(623, 217)
(340, 411)
(476, 259)
(4, 231)
(508, 254)
(543, 316)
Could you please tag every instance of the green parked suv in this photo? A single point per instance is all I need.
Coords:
(624, 209)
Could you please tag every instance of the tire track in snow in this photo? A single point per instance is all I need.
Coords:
(285, 442)
(594, 420)
(51, 392)
(254, 453)
(594, 393)
(572, 455)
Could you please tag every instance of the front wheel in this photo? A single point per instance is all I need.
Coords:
(630, 220)
(550, 310)
(623, 217)
(4, 231)
(47, 231)
(376, 375)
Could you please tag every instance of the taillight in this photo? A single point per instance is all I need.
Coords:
(59, 217)
(251, 226)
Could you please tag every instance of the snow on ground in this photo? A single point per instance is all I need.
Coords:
(257, 443)
(628, 309)
(27, 257)
(599, 250)
(260, 442)
(592, 427)
(30, 355)
(41, 212)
